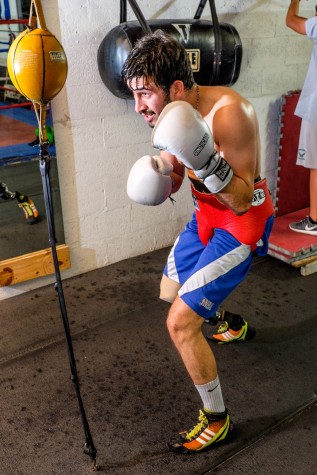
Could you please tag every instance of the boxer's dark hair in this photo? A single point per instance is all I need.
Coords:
(159, 58)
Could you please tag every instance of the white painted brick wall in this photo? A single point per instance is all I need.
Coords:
(99, 136)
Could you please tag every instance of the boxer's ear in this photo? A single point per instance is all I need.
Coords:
(176, 91)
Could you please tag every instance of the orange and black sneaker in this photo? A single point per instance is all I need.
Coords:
(27, 205)
(211, 429)
(226, 334)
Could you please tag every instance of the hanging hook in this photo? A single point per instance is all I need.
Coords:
(37, 7)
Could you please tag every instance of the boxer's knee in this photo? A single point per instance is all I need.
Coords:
(169, 289)
(183, 324)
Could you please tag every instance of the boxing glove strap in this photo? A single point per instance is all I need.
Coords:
(201, 188)
(206, 165)
(218, 177)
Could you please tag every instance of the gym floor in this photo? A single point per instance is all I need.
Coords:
(135, 389)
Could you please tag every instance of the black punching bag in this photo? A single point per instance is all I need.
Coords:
(214, 48)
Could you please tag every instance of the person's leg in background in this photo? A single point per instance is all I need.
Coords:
(313, 193)
(307, 157)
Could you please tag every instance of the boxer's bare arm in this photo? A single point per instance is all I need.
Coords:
(236, 133)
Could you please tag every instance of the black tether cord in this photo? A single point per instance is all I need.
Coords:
(218, 43)
(200, 9)
(217, 36)
(136, 10)
(123, 11)
(216, 28)
(89, 449)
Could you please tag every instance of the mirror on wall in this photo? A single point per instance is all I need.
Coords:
(23, 225)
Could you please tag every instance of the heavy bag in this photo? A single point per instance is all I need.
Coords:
(214, 49)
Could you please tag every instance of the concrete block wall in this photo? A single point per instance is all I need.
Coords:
(99, 136)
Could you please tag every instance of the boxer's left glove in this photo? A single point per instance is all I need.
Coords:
(150, 182)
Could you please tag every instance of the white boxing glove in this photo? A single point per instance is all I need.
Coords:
(183, 132)
(150, 182)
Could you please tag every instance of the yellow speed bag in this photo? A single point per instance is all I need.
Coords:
(37, 65)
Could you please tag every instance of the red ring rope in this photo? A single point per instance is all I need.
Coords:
(12, 106)
(14, 22)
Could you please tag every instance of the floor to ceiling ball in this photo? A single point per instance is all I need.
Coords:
(37, 65)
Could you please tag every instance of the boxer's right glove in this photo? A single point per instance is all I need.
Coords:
(150, 182)
(183, 132)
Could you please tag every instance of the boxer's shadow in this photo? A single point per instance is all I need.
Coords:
(275, 334)
(279, 334)
(251, 430)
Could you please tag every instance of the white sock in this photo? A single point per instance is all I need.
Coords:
(211, 396)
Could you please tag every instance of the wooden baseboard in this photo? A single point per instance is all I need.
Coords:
(33, 265)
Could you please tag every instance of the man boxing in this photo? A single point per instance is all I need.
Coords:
(213, 133)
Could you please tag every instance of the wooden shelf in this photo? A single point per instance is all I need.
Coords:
(33, 265)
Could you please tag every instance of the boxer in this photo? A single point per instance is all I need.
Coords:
(212, 133)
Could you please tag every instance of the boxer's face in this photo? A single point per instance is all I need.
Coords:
(150, 100)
